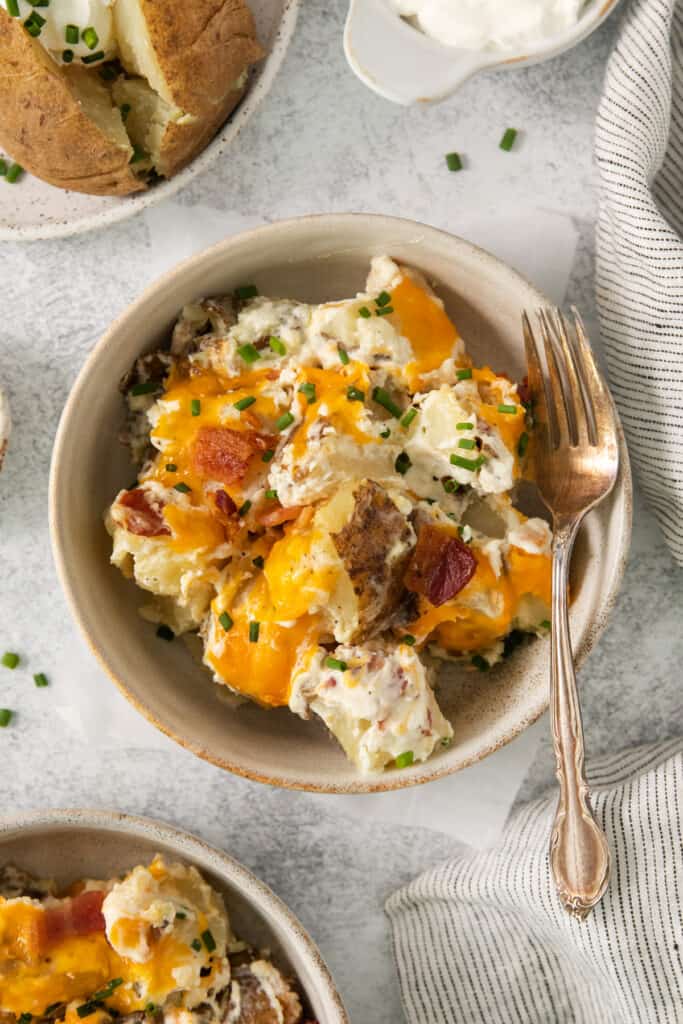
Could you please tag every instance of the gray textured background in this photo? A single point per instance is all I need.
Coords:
(320, 142)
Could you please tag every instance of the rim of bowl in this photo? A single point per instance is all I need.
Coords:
(194, 849)
(428, 770)
(130, 206)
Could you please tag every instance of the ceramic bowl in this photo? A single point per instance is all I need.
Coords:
(410, 67)
(68, 845)
(34, 209)
(314, 259)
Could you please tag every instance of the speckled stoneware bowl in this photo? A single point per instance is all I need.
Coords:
(314, 259)
(33, 209)
(72, 844)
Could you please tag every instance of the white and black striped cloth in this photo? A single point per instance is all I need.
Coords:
(639, 274)
(483, 939)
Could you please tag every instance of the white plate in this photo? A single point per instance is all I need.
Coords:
(32, 209)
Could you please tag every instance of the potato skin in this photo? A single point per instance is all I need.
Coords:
(43, 127)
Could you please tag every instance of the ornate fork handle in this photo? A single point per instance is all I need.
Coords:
(579, 854)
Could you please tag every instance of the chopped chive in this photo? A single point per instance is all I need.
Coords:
(71, 34)
(92, 58)
(5, 717)
(510, 409)
(183, 488)
(86, 1009)
(508, 140)
(523, 444)
(145, 388)
(243, 509)
(343, 354)
(308, 389)
(40, 679)
(249, 352)
(34, 24)
(14, 172)
(409, 417)
(465, 374)
(138, 152)
(453, 162)
(152, 1007)
(165, 633)
(545, 624)
(409, 639)
(277, 345)
(89, 37)
(364, 312)
(246, 291)
(196, 945)
(208, 940)
(402, 463)
(195, 407)
(25, 1018)
(124, 110)
(105, 992)
(258, 562)
(180, 915)
(481, 663)
(10, 660)
(13, 8)
(254, 628)
(384, 311)
(471, 464)
(355, 395)
(108, 73)
(284, 421)
(405, 760)
(336, 664)
(467, 442)
(383, 299)
(267, 455)
(171, 467)
(271, 494)
(244, 403)
(384, 399)
(225, 621)
(385, 433)
(3, 168)
(464, 426)
(446, 741)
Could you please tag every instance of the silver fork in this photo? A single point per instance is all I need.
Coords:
(577, 461)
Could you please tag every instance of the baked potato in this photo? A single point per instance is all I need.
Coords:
(144, 104)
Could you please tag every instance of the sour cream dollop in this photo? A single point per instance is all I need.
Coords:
(95, 15)
(510, 25)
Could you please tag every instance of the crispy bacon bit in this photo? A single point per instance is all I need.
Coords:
(224, 503)
(143, 516)
(279, 515)
(221, 453)
(81, 915)
(441, 565)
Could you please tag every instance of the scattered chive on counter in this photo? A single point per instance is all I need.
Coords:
(40, 679)
(508, 140)
(5, 717)
(3, 167)
(453, 162)
(14, 172)
(10, 659)
(405, 760)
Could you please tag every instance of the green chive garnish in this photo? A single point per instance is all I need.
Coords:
(244, 403)
(383, 299)
(10, 660)
(86, 1009)
(364, 312)
(335, 663)
(40, 679)
(508, 140)
(480, 663)
(308, 390)
(464, 426)
(523, 444)
(145, 388)
(246, 291)
(71, 34)
(465, 374)
(409, 417)
(165, 633)
(545, 624)
(453, 162)
(243, 509)
(450, 486)
(34, 24)
(384, 311)
(471, 464)
(385, 433)
(384, 399)
(355, 395)
(284, 421)
(510, 409)
(267, 455)
(92, 58)
(105, 992)
(171, 467)
(403, 463)
(208, 940)
(183, 488)
(409, 639)
(180, 915)
(196, 945)
(195, 407)
(225, 621)
(5, 717)
(254, 628)
(14, 172)
(466, 442)
(249, 353)
(89, 37)
(13, 8)
(343, 354)
(271, 495)
(258, 561)
(3, 168)
(405, 760)
(277, 345)
(25, 1018)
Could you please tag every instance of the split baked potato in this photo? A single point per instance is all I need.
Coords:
(109, 122)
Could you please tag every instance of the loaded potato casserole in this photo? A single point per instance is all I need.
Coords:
(154, 945)
(325, 496)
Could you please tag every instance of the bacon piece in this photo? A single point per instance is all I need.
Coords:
(441, 565)
(225, 504)
(143, 516)
(524, 391)
(280, 515)
(81, 915)
(221, 453)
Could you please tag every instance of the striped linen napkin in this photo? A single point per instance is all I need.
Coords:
(639, 267)
(483, 938)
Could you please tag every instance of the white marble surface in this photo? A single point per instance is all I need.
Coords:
(321, 142)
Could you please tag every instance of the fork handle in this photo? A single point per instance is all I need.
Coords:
(579, 854)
